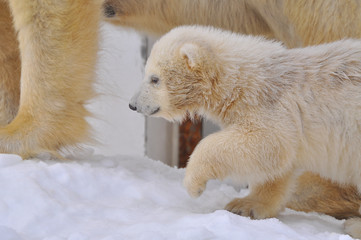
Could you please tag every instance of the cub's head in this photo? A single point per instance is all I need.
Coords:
(179, 72)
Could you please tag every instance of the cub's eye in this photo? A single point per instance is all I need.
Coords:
(154, 79)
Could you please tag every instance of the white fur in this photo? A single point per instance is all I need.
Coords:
(282, 110)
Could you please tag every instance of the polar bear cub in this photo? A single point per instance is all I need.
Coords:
(282, 111)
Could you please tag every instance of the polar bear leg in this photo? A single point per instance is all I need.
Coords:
(265, 200)
(253, 156)
(9, 67)
(58, 41)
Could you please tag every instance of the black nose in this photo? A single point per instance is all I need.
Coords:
(109, 11)
(134, 108)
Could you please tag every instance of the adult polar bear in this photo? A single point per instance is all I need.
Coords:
(58, 42)
(281, 111)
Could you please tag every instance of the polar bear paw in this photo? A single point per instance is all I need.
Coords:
(251, 207)
(195, 186)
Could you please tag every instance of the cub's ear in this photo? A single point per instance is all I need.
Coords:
(192, 53)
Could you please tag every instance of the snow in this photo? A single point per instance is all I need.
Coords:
(95, 197)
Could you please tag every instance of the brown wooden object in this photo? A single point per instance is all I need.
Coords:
(190, 133)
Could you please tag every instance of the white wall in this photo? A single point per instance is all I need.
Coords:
(120, 70)
(117, 129)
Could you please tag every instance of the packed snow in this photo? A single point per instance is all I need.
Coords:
(91, 196)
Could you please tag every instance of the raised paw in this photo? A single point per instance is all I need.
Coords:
(251, 207)
(194, 186)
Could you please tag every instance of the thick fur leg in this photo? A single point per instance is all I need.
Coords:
(9, 67)
(207, 162)
(203, 166)
(315, 194)
(58, 45)
(233, 153)
(264, 201)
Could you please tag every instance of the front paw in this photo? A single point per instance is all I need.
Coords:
(251, 207)
(194, 185)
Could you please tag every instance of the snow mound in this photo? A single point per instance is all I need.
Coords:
(130, 197)
(9, 159)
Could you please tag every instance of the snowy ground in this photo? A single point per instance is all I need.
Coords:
(129, 197)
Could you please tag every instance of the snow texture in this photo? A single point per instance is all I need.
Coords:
(127, 197)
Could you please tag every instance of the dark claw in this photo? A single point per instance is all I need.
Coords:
(251, 214)
(134, 108)
(154, 112)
